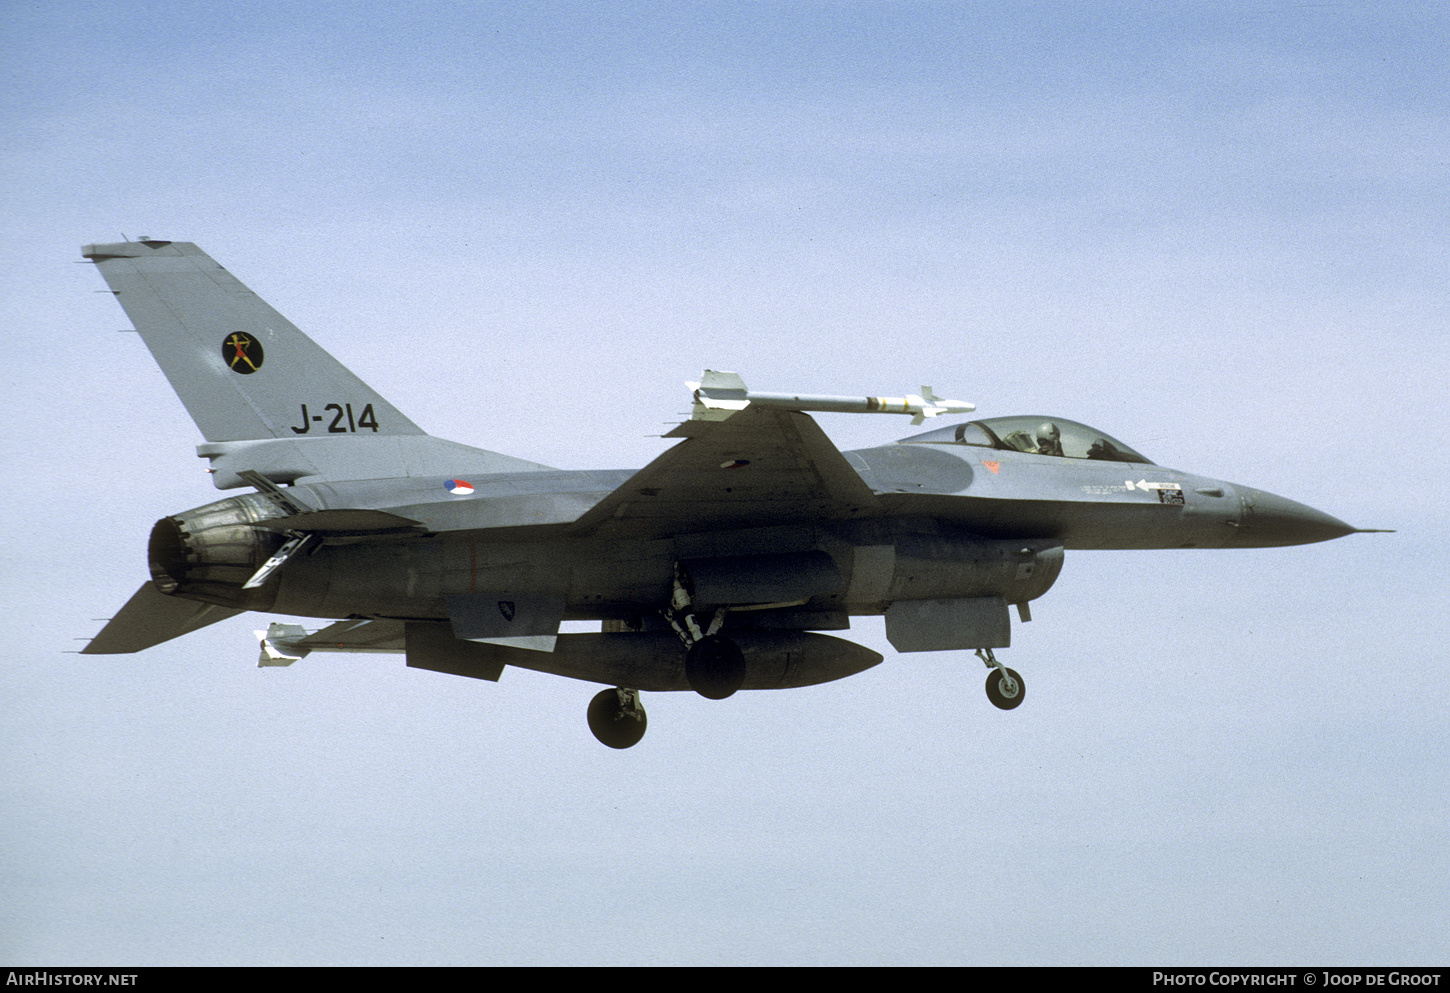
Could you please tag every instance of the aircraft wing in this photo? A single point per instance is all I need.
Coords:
(761, 466)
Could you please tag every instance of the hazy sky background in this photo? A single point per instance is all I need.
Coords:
(1217, 231)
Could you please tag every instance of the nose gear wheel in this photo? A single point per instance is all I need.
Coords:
(1004, 686)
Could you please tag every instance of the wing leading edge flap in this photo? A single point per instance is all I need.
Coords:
(151, 617)
(760, 467)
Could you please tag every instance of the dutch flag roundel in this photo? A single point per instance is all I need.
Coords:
(458, 487)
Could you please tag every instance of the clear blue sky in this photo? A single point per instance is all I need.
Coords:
(1216, 231)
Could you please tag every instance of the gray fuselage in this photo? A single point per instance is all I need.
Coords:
(953, 521)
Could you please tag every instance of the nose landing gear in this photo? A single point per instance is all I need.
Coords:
(1004, 686)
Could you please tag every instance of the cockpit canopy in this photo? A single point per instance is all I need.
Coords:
(1038, 435)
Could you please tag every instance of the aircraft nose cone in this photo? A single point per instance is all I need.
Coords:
(1270, 520)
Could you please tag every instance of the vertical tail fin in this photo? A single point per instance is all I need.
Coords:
(243, 370)
(267, 398)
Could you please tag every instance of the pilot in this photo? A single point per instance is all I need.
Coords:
(1049, 439)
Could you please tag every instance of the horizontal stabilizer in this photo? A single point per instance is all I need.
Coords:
(150, 618)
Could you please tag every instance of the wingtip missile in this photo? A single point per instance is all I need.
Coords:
(719, 394)
(275, 647)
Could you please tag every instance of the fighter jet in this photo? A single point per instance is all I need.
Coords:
(713, 569)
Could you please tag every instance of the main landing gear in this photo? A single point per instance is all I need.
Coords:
(1004, 687)
(714, 665)
(714, 668)
(617, 718)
